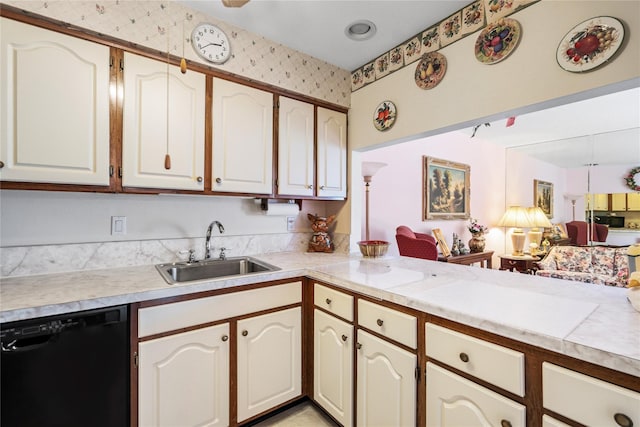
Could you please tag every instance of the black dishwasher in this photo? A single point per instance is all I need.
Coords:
(66, 370)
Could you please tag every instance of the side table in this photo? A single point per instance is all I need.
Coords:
(484, 258)
(521, 263)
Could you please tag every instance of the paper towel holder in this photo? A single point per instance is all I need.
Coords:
(264, 203)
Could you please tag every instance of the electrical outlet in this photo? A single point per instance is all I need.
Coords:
(291, 221)
(118, 225)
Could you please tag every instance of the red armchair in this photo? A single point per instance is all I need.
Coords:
(577, 231)
(416, 245)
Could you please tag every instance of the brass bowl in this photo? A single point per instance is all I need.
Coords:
(373, 248)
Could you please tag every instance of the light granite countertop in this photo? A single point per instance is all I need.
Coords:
(589, 322)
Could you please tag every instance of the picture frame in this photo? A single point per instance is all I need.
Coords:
(444, 248)
(543, 196)
(445, 189)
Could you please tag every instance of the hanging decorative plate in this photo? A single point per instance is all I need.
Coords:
(590, 44)
(385, 115)
(497, 40)
(430, 70)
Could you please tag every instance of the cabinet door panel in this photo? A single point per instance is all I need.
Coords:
(55, 107)
(332, 153)
(455, 401)
(154, 125)
(269, 361)
(242, 138)
(386, 383)
(295, 148)
(333, 366)
(184, 379)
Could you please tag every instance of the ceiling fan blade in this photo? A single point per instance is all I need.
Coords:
(234, 3)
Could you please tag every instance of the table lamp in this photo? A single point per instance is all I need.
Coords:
(516, 217)
(538, 219)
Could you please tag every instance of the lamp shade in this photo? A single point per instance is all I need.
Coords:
(538, 217)
(371, 168)
(515, 216)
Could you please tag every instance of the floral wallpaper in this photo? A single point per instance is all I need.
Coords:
(161, 24)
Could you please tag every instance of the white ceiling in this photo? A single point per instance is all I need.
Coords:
(557, 135)
(317, 27)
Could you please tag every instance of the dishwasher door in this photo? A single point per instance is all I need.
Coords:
(67, 370)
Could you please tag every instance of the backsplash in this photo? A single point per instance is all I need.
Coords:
(46, 259)
(149, 23)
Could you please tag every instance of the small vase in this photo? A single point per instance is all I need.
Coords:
(477, 242)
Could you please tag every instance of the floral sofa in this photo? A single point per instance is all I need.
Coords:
(592, 264)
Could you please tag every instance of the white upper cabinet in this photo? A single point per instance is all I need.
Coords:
(332, 153)
(295, 148)
(242, 139)
(155, 125)
(55, 107)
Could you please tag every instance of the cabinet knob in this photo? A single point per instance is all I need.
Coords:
(379, 322)
(344, 338)
(322, 187)
(358, 346)
(218, 180)
(464, 357)
(309, 186)
(505, 423)
(199, 179)
(623, 420)
(245, 333)
(328, 301)
(1, 164)
(225, 337)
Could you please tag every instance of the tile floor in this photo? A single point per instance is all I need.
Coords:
(302, 415)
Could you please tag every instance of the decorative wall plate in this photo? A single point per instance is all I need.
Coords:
(590, 44)
(497, 41)
(385, 115)
(430, 70)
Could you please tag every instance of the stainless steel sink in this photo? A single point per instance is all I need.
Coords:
(179, 272)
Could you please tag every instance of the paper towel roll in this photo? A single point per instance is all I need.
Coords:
(281, 209)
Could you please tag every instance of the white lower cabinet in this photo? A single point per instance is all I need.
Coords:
(455, 401)
(185, 370)
(386, 383)
(269, 361)
(333, 366)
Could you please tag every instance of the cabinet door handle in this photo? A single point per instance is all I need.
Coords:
(328, 301)
(225, 338)
(309, 186)
(505, 423)
(322, 187)
(245, 333)
(379, 322)
(218, 180)
(623, 420)
(358, 346)
(464, 357)
(199, 179)
(344, 338)
(1, 164)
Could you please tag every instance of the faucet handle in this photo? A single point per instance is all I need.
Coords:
(191, 253)
(223, 255)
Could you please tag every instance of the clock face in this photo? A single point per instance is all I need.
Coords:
(211, 43)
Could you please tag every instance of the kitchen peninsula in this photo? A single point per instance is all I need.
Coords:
(548, 320)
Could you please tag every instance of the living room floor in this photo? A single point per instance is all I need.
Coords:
(303, 415)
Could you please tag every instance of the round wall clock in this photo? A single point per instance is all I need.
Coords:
(211, 43)
(385, 115)
(590, 44)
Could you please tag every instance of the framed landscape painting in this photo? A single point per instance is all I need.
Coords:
(445, 189)
(543, 196)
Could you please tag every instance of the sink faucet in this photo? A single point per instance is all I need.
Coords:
(207, 243)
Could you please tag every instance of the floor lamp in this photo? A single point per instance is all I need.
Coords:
(368, 247)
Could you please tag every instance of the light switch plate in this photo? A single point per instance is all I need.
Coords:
(291, 222)
(118, 225)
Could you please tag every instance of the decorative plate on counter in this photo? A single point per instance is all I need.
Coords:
(385, 115)
(497, 41)
(430, 70)
(590, 44)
